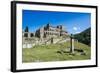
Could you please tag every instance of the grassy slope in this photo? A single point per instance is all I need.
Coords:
(84, 36)
(49, 53)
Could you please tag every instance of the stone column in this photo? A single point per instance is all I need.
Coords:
(52, 40)
(72, 44)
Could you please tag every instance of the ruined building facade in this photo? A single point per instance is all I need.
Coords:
(47, 31)
(50, 31)
(44, 36)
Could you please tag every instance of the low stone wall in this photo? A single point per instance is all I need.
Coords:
(31, 42)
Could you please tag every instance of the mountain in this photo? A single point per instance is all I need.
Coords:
(84, 36)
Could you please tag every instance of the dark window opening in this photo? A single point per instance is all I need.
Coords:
(26, 35)
(31, 35)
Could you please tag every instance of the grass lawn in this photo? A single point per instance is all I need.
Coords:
(44, 53)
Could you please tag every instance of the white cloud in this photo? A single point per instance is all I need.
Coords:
(75, 28)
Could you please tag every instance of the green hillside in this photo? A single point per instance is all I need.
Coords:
(84, 37)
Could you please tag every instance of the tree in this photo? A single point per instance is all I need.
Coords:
(26, 29)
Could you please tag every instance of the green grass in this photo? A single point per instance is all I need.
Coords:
(44, 53)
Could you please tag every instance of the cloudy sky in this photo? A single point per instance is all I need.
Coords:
(73, 22)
